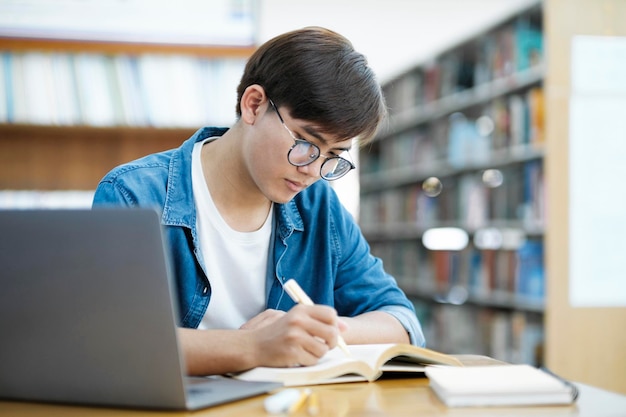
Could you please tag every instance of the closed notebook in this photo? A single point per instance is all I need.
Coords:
(366, 363)
(499, 385)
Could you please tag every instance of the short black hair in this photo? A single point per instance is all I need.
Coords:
(318, 76)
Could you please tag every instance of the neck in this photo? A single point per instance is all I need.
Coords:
(237, 198)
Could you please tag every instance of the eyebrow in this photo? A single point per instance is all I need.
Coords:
(313, 132)
(310, 130)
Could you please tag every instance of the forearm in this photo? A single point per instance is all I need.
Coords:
(374, 327)
(301, 336)
(213, 352)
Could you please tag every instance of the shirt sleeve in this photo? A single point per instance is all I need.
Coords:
(409, 321)
(362, 284)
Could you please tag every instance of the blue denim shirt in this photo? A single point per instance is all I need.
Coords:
(315, 240)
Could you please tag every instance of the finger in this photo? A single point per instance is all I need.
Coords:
(263, 319)
(321, 313)
(343, 326)
(320, 324)
(308, 349)
(327, 325)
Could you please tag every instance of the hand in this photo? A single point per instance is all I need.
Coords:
(263, 319)
(300, 336)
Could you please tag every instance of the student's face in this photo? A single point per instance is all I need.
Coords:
(274, 175)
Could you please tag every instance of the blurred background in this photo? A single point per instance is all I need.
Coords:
(492, 194)
(377, 29)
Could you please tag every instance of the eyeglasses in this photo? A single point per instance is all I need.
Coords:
(303, 153)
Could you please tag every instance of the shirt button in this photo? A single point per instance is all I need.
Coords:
(205, 290)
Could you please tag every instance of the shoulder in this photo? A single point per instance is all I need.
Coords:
(134, 182)
(140, 167)
(157, 166)
(148, 180)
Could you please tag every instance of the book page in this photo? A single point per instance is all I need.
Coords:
(370, 354)
(333, 367)
(366, 363)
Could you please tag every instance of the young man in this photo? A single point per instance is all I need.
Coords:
(244, 211)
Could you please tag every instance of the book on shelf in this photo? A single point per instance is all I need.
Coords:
(517, 114)
(528, 43)
(367, 363)
(530, 276)
(5, 88)
(536, 116)
(501, 385)
(97, 89)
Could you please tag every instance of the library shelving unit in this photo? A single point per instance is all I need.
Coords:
(72, 110)
(464, 150)
(480, 138)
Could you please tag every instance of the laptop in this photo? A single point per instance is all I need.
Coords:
(87, 314)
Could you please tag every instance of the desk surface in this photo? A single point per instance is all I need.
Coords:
(391, 397)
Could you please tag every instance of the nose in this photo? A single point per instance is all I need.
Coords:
(313, 169)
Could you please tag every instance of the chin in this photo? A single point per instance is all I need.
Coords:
(282, 198)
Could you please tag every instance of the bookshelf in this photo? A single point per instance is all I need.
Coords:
(71, 110)
(464, 149)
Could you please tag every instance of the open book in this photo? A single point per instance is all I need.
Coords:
(503, 385)
(368, 362)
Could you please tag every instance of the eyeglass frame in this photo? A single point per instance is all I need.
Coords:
(314, 146)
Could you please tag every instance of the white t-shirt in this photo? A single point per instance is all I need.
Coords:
(235, 262)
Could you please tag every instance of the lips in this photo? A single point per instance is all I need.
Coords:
(295, 185)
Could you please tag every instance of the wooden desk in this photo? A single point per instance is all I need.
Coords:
(391, 397)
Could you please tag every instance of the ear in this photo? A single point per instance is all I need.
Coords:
(252, 102)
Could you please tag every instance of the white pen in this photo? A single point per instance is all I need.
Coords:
(281, 402)
(298, 295)
(287, 401)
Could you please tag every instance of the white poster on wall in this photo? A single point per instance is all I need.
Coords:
(215, 22)
(597, 171)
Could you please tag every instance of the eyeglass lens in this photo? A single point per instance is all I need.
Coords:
(335, 168)
(304, 153)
